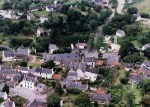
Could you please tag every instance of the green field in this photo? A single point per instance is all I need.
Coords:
(137, 44)
(41, 13)
(142, 5)
(71, 2)
(1, 2)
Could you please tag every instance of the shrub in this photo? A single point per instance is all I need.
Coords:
(74, 91)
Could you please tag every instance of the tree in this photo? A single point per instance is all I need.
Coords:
(48, 64)
(145, 86)
(124, 80)
(127, 48)
(53, 100)
(132, 10)
(130, 99)
(58, 89)
(83, 100)
(93, 25)
(147, 52)
(6, 89)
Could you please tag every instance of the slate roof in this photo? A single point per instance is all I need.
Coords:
(22, 51)
(9, 53)
(52, 46)
(43, 70)
(71, 84)
(41, 30)
(105, 97)
(120, 32)
(89, 59)
(36, 103)
(30, 79)
(31, 15)
(146, 63)
(24, 68)
(7, 103)
(2, 94)
(135, 77)
(41, 85)
(17, 77)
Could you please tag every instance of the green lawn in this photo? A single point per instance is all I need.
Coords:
(41, 13)
(120, 75)
(1, 2)
(71, 2)
(34, 65)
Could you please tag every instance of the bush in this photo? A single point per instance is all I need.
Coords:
(144, 15)
(74, 91)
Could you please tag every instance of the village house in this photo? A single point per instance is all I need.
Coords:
(49, 8)
(91, 74)
(10, 14)
(30, 17)
(3, 95)
(81, 45)
(7, 103)
(52, 48)
(7, 71)
(101, 2)
(24, 70)
(40, 32)
(102, 97)
(72, 75)
(8, 55)
(36, 103)
(43, 19)
(138, 16)
(42, 88)
(145, 69)
(42, 72)
(29, 82)
(69, 84)
(120, 33)
(22, 54)
(90, 61)
(134, 78)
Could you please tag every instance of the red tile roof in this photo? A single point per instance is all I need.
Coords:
(56, 76)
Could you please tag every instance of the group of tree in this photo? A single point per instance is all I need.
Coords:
(48, 64)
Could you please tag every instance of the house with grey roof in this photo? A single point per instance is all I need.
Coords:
(8, 55)
(30, 17)
(24, 70)
(22, 54)
(120, 33)
(69, 84)
(40, 32)
(146, 46)
(41, 88)
(145, 69)
(101, 2)
(102, 98)
(29, 82)
(36, 103)
(90, 61)
(7, 103)
(3, 95)
(52, 48)
(16, 79)
(42, 72)
(135, 78)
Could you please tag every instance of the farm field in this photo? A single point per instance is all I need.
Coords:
(71, 2)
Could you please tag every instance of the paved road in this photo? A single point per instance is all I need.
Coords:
(120, 6)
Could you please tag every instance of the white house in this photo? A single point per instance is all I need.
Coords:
(90, 76)
(3, 95)
(10, 14)
(7, 103)
(43, 72)
(8, 55)
(24, 70)
(138, 16)
(90, 61)
(43, 19)
(80, 74)
(52, 48)
(49, 8)
(120, 33)
(29, 82)
(81, 45)
(40, 31)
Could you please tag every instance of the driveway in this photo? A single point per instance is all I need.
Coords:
(28, 94)
(120, 6)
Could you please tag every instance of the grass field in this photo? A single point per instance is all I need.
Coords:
(120, 75)
(136, 44)
(71, 2)
(142, 5)
(41, 13)
(1, 2)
